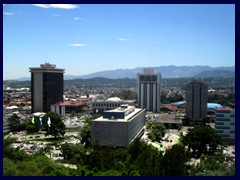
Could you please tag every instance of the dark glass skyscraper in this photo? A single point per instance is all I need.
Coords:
(46, 87)
(149, 90)
(196, 101)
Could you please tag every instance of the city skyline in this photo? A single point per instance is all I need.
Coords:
(85, 39)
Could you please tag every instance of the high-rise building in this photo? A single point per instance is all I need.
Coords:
(46, 87)
(196, 101)
(149, 90)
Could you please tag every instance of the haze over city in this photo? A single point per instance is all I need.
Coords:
(84, 39)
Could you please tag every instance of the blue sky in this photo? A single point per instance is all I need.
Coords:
(88, 38)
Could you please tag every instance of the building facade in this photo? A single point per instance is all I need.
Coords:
(225, 123)
(100, 105)
(196, 101)
(62, 108)
(46, 87)
(149, 90)
(118, 127)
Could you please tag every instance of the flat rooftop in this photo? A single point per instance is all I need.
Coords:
(168, 118)
(127, 117)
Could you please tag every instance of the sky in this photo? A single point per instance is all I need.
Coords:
(87, 38)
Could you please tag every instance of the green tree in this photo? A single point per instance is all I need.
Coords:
(13, 153)
(174, 162)
(31, 128)
(212, 166)
(156, 130)
(85, 135)
(73, 114)
(202, 139)
(14, 123)
(56, 127)
(74, 153)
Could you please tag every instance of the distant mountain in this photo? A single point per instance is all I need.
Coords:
(167, 72)
(216, 73)
(99, 81)
(24, 79)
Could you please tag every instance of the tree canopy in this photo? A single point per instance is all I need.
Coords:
(54, 125)
(14, 123)
(85, 135)
(202, 139)
(156, 130)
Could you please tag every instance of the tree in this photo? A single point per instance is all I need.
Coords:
(30, 127)
(156, 130)
(72, 114)
(74, 153)
(14, 123)
(212, 166)
(174, 161)
(85, 135)
(202, 139)
(56, 127)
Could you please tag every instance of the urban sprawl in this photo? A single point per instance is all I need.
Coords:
(144, 130)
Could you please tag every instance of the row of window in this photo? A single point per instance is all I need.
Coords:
(223, 119)
(222, 123)
(222, 127)
(105, 105)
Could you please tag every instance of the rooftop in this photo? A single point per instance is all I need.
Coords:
(46, 67)
(224, 108)
(128, 112)
(169, 106)
(70, 103)
(114, 99)
(214, 105)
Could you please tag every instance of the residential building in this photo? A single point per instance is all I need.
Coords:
(225, 123)
(46, 87)
(118, 127)
(196, 101)
(149, 90)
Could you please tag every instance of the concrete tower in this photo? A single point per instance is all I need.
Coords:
(149, 90)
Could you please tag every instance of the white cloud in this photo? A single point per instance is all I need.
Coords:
(8, 13)
(124, 39)
(80, 19)
(78, 45)
(55, 15)
(60, 6)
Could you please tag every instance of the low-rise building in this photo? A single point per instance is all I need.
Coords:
(68, 107)
(99, 106)
(118, 127)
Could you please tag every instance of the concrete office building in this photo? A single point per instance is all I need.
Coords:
(196, 101)
(46, 87)
(225, 123)
(100, 105)
(149, 90)
(118, 127)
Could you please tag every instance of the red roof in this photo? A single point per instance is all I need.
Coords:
(70, 103)
(224, 108)
(169, 106)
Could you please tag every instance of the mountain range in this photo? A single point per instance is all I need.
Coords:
(166, 71)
